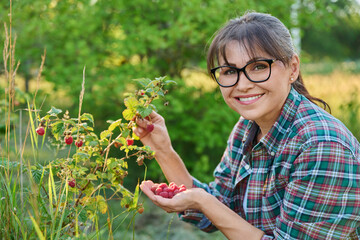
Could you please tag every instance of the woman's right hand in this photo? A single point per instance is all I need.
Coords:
(159, 141)
(158, 137)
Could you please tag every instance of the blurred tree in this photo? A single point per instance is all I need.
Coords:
(119, 40)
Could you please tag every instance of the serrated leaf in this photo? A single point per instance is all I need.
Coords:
(93, 143)
(143, 81)
(70, 121)
(131, 102)
(144, 112)
(54, 111)
(104, 134)
(91, 176)
(87, 117)
(128, 114)
(161, 93)
(125, 134)
(170, 81)
(57, 129)
(115, 124)
(89, 138)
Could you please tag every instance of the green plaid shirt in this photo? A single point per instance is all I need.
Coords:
(303, 177)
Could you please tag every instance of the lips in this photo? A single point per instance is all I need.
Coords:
(249, 99)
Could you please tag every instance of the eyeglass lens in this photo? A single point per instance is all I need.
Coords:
(257, 71)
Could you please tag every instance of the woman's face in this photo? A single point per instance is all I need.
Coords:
(261, 102)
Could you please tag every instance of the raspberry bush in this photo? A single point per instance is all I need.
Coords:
(88, 178)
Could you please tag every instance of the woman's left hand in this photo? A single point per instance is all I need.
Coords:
(189, 199)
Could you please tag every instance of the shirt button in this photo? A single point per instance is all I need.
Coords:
(272, 154)
(247, 167)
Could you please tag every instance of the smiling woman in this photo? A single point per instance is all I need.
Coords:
(290, 170)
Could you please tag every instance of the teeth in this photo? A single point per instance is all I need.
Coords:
(250, 98)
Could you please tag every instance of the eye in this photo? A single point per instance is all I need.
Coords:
(258, 66)
(228, 71)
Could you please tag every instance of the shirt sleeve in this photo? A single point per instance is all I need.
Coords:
(221, 188)
(321, 200)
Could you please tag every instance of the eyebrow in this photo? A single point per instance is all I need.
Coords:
(250, 60)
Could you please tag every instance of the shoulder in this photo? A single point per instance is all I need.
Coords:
(240, 128)
(313, 125)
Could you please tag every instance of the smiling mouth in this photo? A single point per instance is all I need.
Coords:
(249, 98)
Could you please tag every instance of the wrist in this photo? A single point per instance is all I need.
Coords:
(202, 199)
(165, 153)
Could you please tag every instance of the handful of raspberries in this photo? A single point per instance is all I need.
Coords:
(162, 189)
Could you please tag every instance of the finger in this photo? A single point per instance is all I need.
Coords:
(140, 132)
(146, 183)
(145, 187)
(142, 122)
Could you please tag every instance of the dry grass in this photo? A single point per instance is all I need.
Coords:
(336, 88)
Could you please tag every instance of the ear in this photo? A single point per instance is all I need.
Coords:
(294, 68)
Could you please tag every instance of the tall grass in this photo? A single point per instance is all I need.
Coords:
(341, 90)
(34, 202)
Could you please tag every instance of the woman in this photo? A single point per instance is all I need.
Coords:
(290, 169)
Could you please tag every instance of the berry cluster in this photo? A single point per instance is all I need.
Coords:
(68, 139)
(162, 189)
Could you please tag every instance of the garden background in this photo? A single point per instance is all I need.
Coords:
(117, 41)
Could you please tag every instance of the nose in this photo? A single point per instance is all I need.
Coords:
(244, 84)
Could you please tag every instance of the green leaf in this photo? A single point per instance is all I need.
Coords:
(143, 81)
(54, 111)
(81, 156)
(128, 114)
(136, 197)
(57, 129)
(125, 134)
(170, 81)
(93, 143)
(87, 117)
(144, 112)
(91, 176)
(89, 138)
(131, 102)
(104, 134)
(114, 125)
(103, 207)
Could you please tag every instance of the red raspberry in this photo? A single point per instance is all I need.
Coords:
(162, 185)
(150, 127)
(181, 189)
(130, 141)
(40, 131)
(154, 187)
(79, 143)
(171, 194)
(176, 191)
(164, 194)
(173, 187)
(69, 140)
(158, 190)
(72, 183)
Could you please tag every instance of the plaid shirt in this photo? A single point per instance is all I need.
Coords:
(303, 177)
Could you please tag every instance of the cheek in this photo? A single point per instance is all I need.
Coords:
(225, 92)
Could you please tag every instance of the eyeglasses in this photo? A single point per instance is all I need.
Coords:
(256, 71)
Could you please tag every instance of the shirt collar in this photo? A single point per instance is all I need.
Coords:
(272, 139)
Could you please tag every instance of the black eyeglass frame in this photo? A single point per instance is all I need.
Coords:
(269, 61)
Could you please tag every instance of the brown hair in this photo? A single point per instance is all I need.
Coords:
(258, 31)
